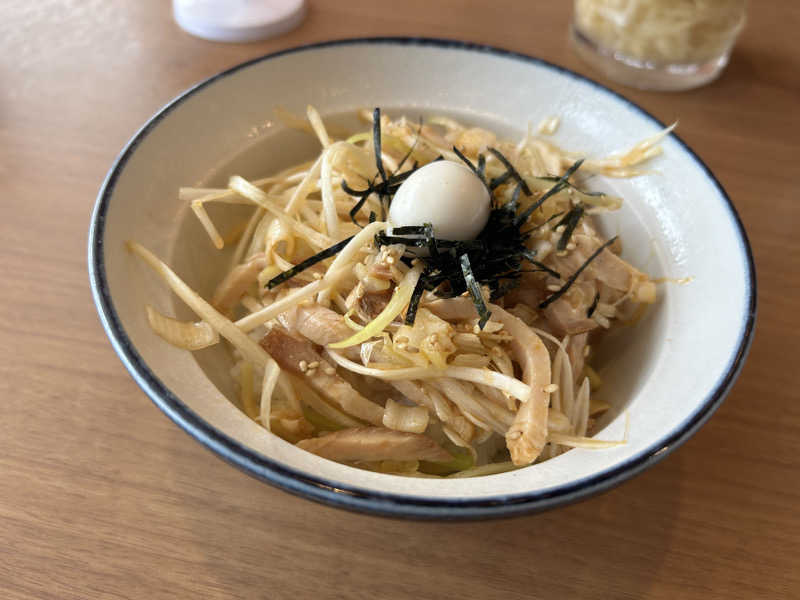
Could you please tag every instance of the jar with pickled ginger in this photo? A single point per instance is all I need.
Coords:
(658, 44)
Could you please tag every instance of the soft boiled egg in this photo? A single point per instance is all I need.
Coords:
(448, 195)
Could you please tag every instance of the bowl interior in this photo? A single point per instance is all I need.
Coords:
(675, 223)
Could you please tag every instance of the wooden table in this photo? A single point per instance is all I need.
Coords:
(101, 496)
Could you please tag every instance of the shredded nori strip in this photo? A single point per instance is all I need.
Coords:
(474, 290)
(560, 185)
(411, 229)
(499, 180)
(511, 171)
(358, 193)
(362, 196)
(478, 172)
(570, 222)
(309, 262)
(376, 141)
(413, 303)
(505, 286)
(545, 268)
(552, 218)
(529, 256)
(571, 185)
(415, 242)
(357, 207)
(556, 295)
(513, 204)
(593, 305)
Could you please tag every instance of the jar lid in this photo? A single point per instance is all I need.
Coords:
(238, 20)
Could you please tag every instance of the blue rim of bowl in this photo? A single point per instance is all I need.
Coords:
(369, 501)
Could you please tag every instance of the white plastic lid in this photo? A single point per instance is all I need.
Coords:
(238, 20)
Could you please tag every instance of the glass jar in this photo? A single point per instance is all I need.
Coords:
(657, 44)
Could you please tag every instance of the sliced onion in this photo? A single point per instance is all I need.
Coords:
(262, 199)
(318, 126)
(305, 187)
(413, 419)
(331, 217)
(490, 469)
(225, 327)
(246, 396)
(187, 335)
(271, 373)
(577, 441)
(491, 378)
(310, 398)
(208, 224)
(581, 419)
(400, 299)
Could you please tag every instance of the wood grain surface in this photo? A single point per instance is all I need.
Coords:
(101, 496)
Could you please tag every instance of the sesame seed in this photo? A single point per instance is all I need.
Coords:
(560, 229)
(303, 366)
(313, 364)
(571, 246)
(329, 370)
(586, 349)
(317, 275)
(476, 329)
(553, 287)
(551, 388)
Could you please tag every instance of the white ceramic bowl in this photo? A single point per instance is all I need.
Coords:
(667, 375)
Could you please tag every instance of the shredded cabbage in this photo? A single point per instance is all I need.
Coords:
(413, 419)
